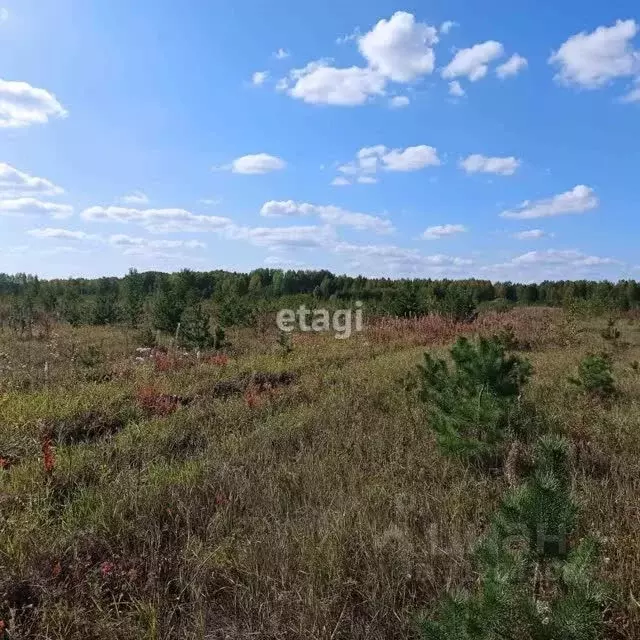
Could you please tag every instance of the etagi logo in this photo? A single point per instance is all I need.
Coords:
(343, 321)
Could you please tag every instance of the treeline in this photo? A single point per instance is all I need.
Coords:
(237, 298)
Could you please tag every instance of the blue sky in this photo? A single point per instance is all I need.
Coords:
(416, 139)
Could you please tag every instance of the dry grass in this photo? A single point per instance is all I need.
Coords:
(206, 500)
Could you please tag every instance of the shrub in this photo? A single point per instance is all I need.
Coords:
(473, 408)
(595, 376)
(539, 589)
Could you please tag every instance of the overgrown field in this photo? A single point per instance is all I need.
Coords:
(282, 491)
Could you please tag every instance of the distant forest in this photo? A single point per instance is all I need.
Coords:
(158, 300)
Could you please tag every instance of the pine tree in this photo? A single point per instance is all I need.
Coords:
(533, 585)
(167, 308)
(194, 328)
(133, 297)
(473, 408)
(595, 376)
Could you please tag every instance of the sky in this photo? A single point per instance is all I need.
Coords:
(423, 139)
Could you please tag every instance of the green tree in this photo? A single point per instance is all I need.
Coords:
(167, 308)
(133, 297)
(195, 332)
(533, 585)
(473, 408)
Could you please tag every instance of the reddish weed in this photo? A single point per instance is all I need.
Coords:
(158, 404)
(48, 455)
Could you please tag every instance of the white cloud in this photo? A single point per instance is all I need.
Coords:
(4, 15)
(22, 105)
(15, 183)
(473, 62)
(64, 234)
(210, 202)
(578, 200)
(455, 89)
(477, 163)
(400, 48)
(370, 160)
(281, 54)
(591, 60)
(259, 78)
(320, 83)
(340, 181)
(329, 214)
(21, 207)
(411, 158)
(137, 197)
(144, 246)
(446, 26)
(308, 237)
(443, 230)
(399, 259)
(512, 66)
(158, 220)
(530, 234)
(397, 102)
(254, 164)
(564, 257)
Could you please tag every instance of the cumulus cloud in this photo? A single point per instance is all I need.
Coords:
(442, 231)
(477, 163)
(400, 48)
(26, 207)
(321, 83)
(22, 105)
(255, 164)
(397, 102)
(530, 234)
(281, 54)
(137, 197)
(410, 159)
(158, 220)
(340, 181)
(329, 214)
(580, 199)
(473, 63)
(455, 89)
(370, 160)
(512, 67)
(60, 234)
(259, 78)
(15, 183)
(592, 60)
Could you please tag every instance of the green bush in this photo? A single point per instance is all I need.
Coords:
(473, 408)
(595, 376)
(533, 586)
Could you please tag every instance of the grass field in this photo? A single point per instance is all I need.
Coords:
(266, 494)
